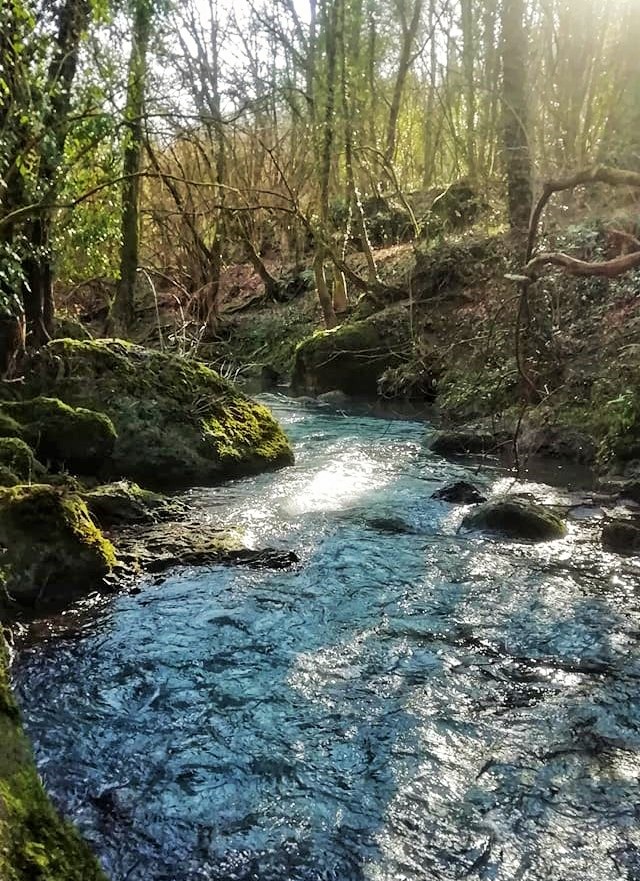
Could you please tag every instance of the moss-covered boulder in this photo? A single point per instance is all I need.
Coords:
(515, 517)
(50, 548)
(17, 458)
(177, 421)
(75, 438)
(462, 442)
(9, 427)
(123, 503)
(353, 356)
(36, 844)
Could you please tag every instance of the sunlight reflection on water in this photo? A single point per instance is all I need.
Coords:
(407, 704)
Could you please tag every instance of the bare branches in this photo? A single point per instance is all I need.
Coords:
(615, 177)
(573, 266)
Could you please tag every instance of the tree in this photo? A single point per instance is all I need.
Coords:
(39, 64)
(124, 304)
(517, 156)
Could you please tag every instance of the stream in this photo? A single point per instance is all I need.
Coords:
(406, 703)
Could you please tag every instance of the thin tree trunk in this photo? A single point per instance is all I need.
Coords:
(351, 52)
(124, 303)
(409, 31)
(330, 22)
(468, 56)
(515, 110)
(37, 293)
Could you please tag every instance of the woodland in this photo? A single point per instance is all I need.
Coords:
(428, 209)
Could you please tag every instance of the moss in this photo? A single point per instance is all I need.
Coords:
(70, 328)
(9, 427)
(352, 356)
(7, 477)
(75, 438)
(178, 422)
(515, 518)
(18, 458)
(52, 548)
(36, 844)
(124, 502)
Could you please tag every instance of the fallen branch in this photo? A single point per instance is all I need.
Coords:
(573, 266)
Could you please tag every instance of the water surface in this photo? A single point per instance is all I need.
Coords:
(406, 704)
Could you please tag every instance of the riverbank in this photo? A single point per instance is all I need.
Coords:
(444, 331)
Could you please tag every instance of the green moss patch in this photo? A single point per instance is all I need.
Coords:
(352, 356)
(18, 458)
(177, 421)
(52, 549)
(516, 518)
(71, 437)
(124, 502)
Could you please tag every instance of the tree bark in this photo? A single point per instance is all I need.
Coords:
(515, 114)
(38, 271)
(123, 310)
(409, 31)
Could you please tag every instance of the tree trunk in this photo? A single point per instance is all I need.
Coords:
(468, 57)
(409, 32)
(38, 271)
(123, 310)
(330, 22)
(515, 109)
(322, 288)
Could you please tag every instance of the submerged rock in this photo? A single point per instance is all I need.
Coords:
(459, 492)
(515, 517)
(160, 547)
(390, 525)
(51, 548)
(352, 356)
(177, 421)
(75, 438)
(621, 536)
(35, 843)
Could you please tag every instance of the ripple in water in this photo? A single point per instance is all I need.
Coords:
(404, 706)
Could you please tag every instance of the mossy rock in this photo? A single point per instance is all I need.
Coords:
(70, 328)
(75, 438)
(463, 442)
(9, 427)
(353, 356)
(621, 536)
(178, 422)
(51, 548)
(123, 502)
(17, 458)
(36, 844)
(7, 477)
(516, 518)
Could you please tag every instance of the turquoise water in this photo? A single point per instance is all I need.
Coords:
(407, 704)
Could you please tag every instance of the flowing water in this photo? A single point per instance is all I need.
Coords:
(407, 703)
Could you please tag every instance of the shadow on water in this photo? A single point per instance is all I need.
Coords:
(409, 704)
